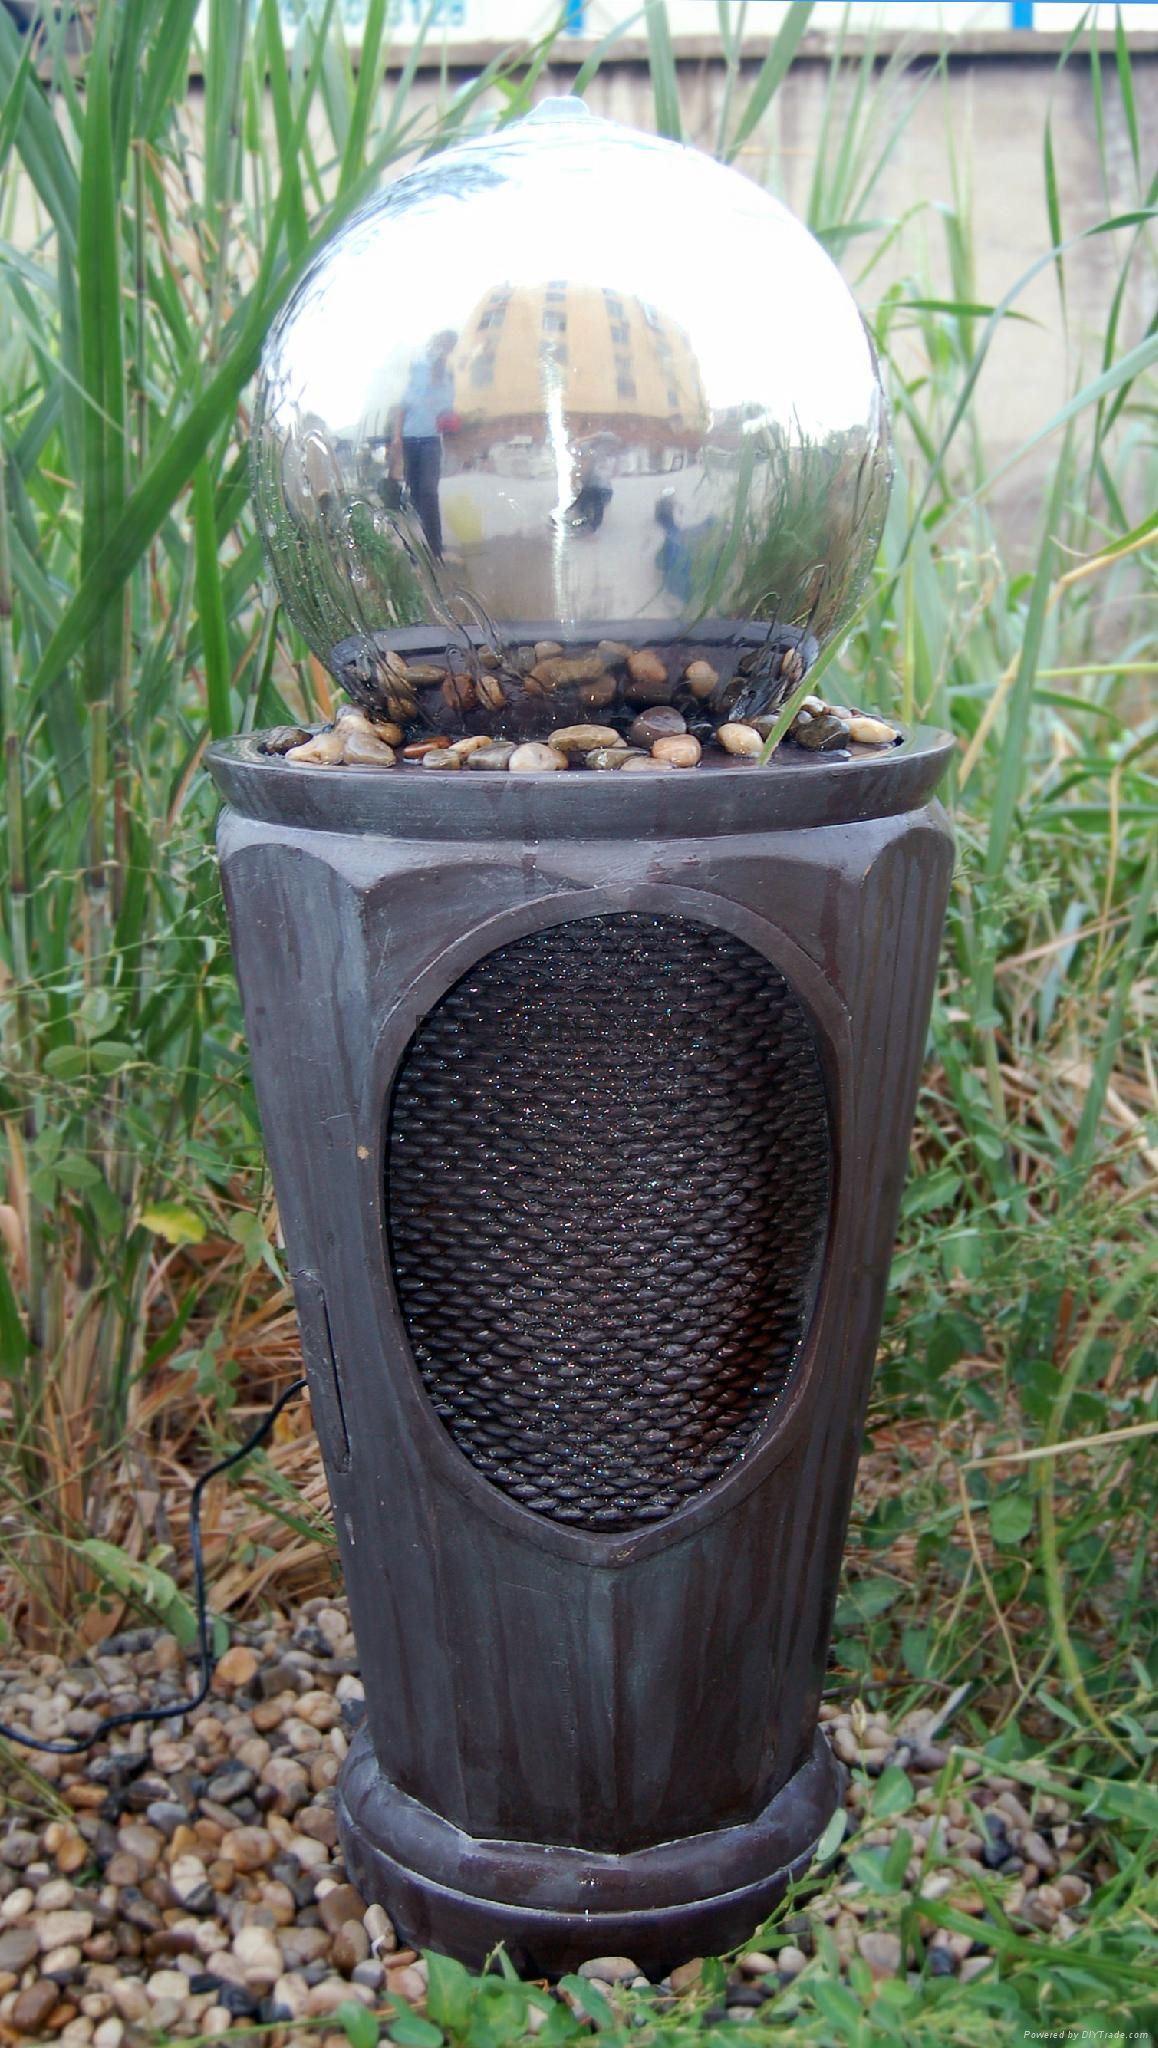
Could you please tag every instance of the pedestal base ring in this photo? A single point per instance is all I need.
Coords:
(553, 1908)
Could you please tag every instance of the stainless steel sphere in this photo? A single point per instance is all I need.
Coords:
(570, 374)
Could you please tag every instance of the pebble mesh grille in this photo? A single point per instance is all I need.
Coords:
(608, 1184)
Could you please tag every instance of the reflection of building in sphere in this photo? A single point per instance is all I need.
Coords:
(605, 361)
(619, 438)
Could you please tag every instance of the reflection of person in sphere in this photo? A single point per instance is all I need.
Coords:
(426, 412)
(594, 494)
(687, 555)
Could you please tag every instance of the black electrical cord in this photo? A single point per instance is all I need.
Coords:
(204, 1644)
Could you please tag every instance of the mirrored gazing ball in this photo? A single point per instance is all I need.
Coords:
(570, 374)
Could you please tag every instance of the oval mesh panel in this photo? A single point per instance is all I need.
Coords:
(608, 1185)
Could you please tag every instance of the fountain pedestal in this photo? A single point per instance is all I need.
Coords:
(587, 1100)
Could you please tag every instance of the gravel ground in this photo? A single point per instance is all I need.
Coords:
(191, 1879)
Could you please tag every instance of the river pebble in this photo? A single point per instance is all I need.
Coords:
(556, 670)
(473, 744)
(701, 678)
(660, 723)
(324, 750)
(647, 668)
(871, 732)
(819, 731)
(581, 739)
(680, 750)
(533, 758)
(741, 740)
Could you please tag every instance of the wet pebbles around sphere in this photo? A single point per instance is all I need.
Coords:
(613, 757)
(632, 686)
(475, 744)
(280, 738)
(819, 731)
(323, 750)
(660, 723)
(533, 758)
(701, 678)
(583, 739)
(740, 739)
(363, 750)
(871, 732)
(679, 750)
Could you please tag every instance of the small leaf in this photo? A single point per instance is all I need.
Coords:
(838, 2006)
(989, 1142)
(95, 1013)
(893, 1793)
(832, 1837)
(139, 1579)
(357, 2024)
(590, 1998)
(897, 1861)
(410, 2030)
(868, 1865)
(932, 1191)
(109, 1055)
(173, 1222)
(865, 1599)
(1011, 1519)
(66, 1062)
(915, 1651)
(107, 1208)
(1135, 1804)
(75, 1171)
(559, 2026)
(449, 1992)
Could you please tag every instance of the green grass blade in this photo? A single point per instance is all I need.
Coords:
(103, 472)
(594, 59)
(1082, 1151)
(1011, 768)
(40, 146)
(224, 70)
(1053, 210)
(366, 93)
(214, 634)
(13, 109)
(166, 68)
(131, 39)
(330, 57)
(771, 75)
(664, 78)
(286, 129)
(1126, 89)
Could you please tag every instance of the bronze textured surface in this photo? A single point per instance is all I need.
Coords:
(608, 1178)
